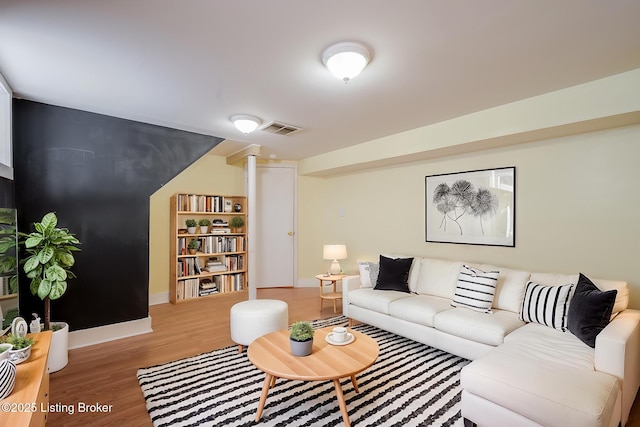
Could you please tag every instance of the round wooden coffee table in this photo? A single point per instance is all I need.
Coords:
(271, 354)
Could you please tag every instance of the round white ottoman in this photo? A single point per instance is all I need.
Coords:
(255, 318)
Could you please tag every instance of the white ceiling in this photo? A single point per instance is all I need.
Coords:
(192, 64)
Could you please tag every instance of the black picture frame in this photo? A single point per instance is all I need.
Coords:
(472, 207)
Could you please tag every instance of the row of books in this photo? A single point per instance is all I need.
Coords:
(191, 266)
(214, 244)
(194, 288)
(200, 203)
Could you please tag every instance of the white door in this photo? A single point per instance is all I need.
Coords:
(275, 240)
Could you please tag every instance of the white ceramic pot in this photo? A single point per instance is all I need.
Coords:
(4, 350)
(191, 230)
(59, 349)
(19, 355)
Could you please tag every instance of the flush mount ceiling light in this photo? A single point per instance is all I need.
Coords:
(244, 123)
(346, 60)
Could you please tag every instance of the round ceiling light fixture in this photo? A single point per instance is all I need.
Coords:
(245, 123)
(346, 60)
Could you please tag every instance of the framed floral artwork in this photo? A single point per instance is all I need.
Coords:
(474, 207)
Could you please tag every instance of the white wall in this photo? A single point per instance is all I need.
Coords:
(577, 209)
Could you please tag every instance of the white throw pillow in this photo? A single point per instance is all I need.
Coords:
(546, 305)
(368, 273)
(475, 289)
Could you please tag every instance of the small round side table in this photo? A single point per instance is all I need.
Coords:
(332, 295)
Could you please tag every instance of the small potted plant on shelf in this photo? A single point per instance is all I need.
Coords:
(301, 338)
(193, 246)
(237, 222)
(204, 225)
(21, 347)
(191, 225)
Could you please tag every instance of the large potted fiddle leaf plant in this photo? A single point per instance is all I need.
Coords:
(48, 264)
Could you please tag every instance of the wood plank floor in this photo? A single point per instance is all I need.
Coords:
(106, 373)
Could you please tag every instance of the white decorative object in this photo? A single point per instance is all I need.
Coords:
(339, 334)
(7, 377)
(34, 326)
(334, 252)
(19, 327)
(4, 350)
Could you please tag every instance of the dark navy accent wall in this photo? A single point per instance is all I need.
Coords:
(97, 173)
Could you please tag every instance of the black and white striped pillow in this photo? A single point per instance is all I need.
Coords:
(475, 289)
(546, 305)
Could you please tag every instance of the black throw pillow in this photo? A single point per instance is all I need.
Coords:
(394, 274)
(590, 310)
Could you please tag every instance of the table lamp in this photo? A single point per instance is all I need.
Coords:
(334, 252)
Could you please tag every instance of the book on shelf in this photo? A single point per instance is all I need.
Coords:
(202, 203)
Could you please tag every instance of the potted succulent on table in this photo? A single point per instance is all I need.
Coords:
(237, 222)
(50, 257)
(191, 225)
(204, 224)
(301, 338)
(193, 246)
(20, 347)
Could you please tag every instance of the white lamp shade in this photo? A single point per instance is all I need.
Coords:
(334, 251)
(244, 123)
(346, 60)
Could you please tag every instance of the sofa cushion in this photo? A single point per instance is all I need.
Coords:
(475, 289)
(554, 346)
(368, 273)
(589, 311)
(547, 305)
(420, 309)
(544, 389)
(489, 329)
(372, 299)
(438, 277)
(510, 287)
(393, 274)
(414, 273)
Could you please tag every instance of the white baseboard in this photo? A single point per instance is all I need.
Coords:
(159, 298)
(100, 334)
(308, 283)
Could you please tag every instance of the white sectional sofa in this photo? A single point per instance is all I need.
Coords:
(525, 370)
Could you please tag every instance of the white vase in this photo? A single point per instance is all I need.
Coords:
(7, 377)
(204, 229)
(191, 230)
(59, 350)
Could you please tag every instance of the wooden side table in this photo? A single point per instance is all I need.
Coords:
(334, 294)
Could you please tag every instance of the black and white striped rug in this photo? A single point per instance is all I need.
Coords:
(410, 384)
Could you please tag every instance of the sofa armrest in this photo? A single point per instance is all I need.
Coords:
(617, 353)
(349, 283)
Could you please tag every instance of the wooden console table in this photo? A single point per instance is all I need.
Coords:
(28, 403)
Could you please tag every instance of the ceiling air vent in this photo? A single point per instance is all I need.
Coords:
(280, 128)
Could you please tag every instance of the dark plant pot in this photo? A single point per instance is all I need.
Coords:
(301, 348)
